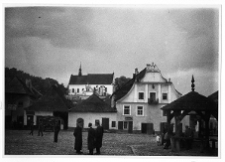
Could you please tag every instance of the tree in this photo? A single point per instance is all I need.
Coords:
(119, 82)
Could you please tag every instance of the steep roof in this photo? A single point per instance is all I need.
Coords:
(214, 96)
(92, 104)
(92, 79)
(17, 86)
(54, 102)
(191, 101)
(127, 86)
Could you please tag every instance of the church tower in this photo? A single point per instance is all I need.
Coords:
(80, 71)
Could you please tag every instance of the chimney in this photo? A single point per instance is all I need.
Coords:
(136, 71)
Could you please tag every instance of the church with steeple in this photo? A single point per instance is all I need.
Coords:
(82, 86)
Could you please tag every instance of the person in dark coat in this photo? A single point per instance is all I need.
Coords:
(99, 135)
(91, 139)
(40, 128)
(167, 140)
(56, 130)
(31, 128)
(78, 138)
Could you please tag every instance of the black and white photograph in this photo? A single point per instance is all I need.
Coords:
(112, 81)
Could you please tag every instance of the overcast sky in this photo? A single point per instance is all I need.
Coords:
(53, 41)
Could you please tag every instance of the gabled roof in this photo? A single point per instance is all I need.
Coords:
(17, 86)
(91, 79)
(127, 86)
(92, 104)
(54, 102)
(191, 101)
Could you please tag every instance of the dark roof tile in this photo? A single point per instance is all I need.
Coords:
(191, 101)
(92, 79)
(92, 104)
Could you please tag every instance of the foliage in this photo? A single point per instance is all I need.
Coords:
(44, 86)
(119, 82)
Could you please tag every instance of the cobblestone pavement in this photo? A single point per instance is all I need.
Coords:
(19, 142)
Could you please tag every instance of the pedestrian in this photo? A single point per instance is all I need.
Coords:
(56, 130)
(78, 138)
(167, 140)
(40, 127)
(99, 136)
(158, 139)
(31, 128)
(91, 139)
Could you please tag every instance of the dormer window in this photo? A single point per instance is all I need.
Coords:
(141, 95)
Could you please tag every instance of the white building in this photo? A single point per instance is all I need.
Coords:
(140, 100)
(84, 85)
(92, 110)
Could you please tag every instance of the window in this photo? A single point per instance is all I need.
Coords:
(152, 96)
(126, 110)
(73, 90)
(77, 90)
(140, 111)
(113, 124)
(141, 96)
(125, 125)
(164, 96)
(96, 122)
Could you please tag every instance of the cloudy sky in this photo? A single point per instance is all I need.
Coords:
(53, 41)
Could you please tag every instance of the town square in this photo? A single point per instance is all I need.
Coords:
(125, 81)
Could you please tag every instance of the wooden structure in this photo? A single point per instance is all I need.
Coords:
(191, 103)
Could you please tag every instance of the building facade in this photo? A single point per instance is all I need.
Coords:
(82, 86)
(139, 102)
(92, 110)
(18, 96)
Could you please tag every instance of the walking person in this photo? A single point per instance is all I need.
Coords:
(56, 130)
(40, 127)
(31, 128)
(99, 136)
(91, 139)
(78, 138)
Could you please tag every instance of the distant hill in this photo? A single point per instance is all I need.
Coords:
(44, 86)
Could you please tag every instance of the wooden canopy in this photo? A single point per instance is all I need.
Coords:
(191, 103)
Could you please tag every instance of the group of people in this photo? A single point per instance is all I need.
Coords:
(94, 139)
(40, 128)
(186, 141)
(163, 139)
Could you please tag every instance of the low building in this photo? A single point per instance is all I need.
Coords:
(18, 96)
(51, 105)
(92, 110)
(139, 101)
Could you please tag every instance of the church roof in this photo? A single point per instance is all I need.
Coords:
(92, 104)
(91, 79)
